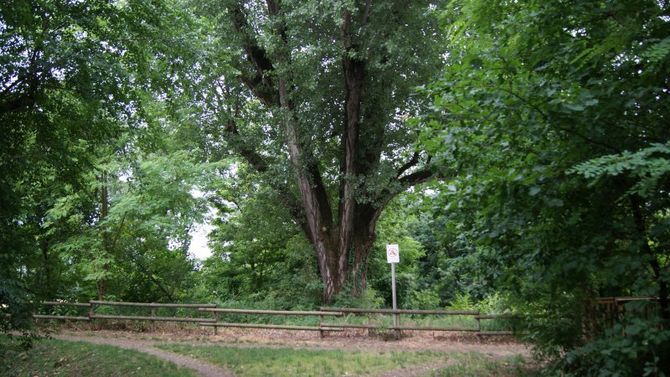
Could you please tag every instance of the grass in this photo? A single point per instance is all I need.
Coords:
(477, 365)
(51, 357)
(251, 362)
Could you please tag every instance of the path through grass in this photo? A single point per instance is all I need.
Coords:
(289, 362)
(477, 365)
(51, 357)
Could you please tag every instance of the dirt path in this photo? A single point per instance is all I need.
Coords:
(146, 346)
(495, 348)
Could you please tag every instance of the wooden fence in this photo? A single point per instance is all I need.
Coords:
(397, 319)
(321, 314)
(323, 327)
(92, 315)
(609, 310)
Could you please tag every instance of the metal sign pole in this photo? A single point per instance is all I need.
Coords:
(395, 306)
(393, 257)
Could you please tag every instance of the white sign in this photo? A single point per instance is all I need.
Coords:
(392, 253)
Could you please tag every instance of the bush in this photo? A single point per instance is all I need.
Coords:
(424, 300)
(370, 299)
(638, 347)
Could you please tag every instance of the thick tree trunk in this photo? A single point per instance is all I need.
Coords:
(335, 274)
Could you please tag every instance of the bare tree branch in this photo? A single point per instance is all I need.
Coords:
(409, 164)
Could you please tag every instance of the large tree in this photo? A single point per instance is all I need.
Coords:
(317, 103)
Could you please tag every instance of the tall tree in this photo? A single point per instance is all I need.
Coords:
(71, 75)
(317, 104)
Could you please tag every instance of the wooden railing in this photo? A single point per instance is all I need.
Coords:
(91, 315)
(322, 313)
(610, 310)
(398, 312)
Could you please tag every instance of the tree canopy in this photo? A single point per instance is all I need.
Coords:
(314, 99)
(518, 152)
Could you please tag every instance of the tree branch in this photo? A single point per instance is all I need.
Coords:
(419, 176)
(260, 81)
(366, 15)
(412, 162)
(250, 155)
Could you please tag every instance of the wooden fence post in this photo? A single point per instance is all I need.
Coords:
(153, 314)
(91, 313)
(320, 322)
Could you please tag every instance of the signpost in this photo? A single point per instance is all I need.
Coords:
(393, 257)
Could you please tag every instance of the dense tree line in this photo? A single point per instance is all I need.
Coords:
(517, 152)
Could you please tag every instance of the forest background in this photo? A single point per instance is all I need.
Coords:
(516, 151)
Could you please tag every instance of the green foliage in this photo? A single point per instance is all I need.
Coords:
(259, 255)
(369, 299)
(475, 365)
(647, 166)
(531, 94)
(633, 348)
(394, 227)
(426, 299)
(85, 87)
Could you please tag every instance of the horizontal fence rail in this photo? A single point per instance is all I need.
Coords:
(476, 315)
(625, 299)
(151, 304)
(322, 327)
(401, 311)
(272, 312)
(64, 317)
(63, 303)
(152, 318)
(91, 315)
(273, 327)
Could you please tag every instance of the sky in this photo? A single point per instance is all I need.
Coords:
(199, 249)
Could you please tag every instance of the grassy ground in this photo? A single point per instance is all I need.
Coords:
(476, 365)
(251, 362)
(51, 357)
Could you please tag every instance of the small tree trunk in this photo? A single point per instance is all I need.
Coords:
(662, 290)
(640, 224)
(104, 211)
